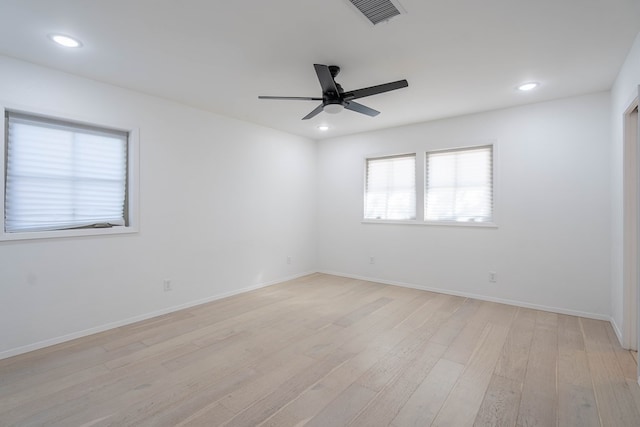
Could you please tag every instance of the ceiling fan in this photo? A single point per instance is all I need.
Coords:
(334, 98)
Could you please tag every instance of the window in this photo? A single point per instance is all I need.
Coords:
(390, 191)
(61, 176)
(459, 185)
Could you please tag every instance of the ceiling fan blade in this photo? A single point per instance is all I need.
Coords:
(291, 98)
(359, 108)
(374, 90)
(314, 113)
(326, 79)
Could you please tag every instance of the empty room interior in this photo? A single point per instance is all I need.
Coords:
(320, 213)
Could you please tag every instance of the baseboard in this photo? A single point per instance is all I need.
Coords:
(68, 337)
(616, 329)
(523, 304)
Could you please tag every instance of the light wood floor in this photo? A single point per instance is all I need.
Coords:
(329, 351)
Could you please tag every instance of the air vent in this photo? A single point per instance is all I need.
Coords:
(377, 11)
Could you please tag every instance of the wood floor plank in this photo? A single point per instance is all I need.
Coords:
(108, 383)
(40, 391)
(331, 351)
(171, 405)
(463, 403)
(513, 360)
(399, 345)
(420, 315)
(362, 312)
(82, 398)
(60, 352)
(315, 398)
(126, 409)
(499, 407)
(370, 346)
(625, 357)
(392, 364)
(539, 401)
(573, 367)
(213, 415)
(343, 408)
(271, 374)
(387, 403)
(360, 293)
(139, 331)
(448, 331)
(55, 364)
(28, 384)
(357, 335)
(635, 392)
(616, 404)
(577, 404)
(425, 402)
(264, 408)
(465, 342)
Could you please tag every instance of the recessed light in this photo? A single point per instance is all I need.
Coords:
(528, 86)
(65, 41)
(323, 128)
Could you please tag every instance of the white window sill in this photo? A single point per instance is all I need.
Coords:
(34, 235)
(431, 223)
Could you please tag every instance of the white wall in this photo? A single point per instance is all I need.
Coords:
(551, 248)
(624, 91)
(222, 204)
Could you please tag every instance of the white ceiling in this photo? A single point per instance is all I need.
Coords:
(459, 56)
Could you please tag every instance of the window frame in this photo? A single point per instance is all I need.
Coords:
(133, 176)
(421, 156)
(365, 182)
(491, 223)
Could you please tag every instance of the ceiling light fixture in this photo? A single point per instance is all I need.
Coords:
(333, 108)
(528, 86)
(323, 128)
(65, 41)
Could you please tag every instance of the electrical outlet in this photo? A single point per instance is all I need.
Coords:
(289, 259)
(493, 277)
(167, 285)
(372, 260)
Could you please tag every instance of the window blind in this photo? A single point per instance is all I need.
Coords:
(391, 188)
(459, 185)
(61, 175)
